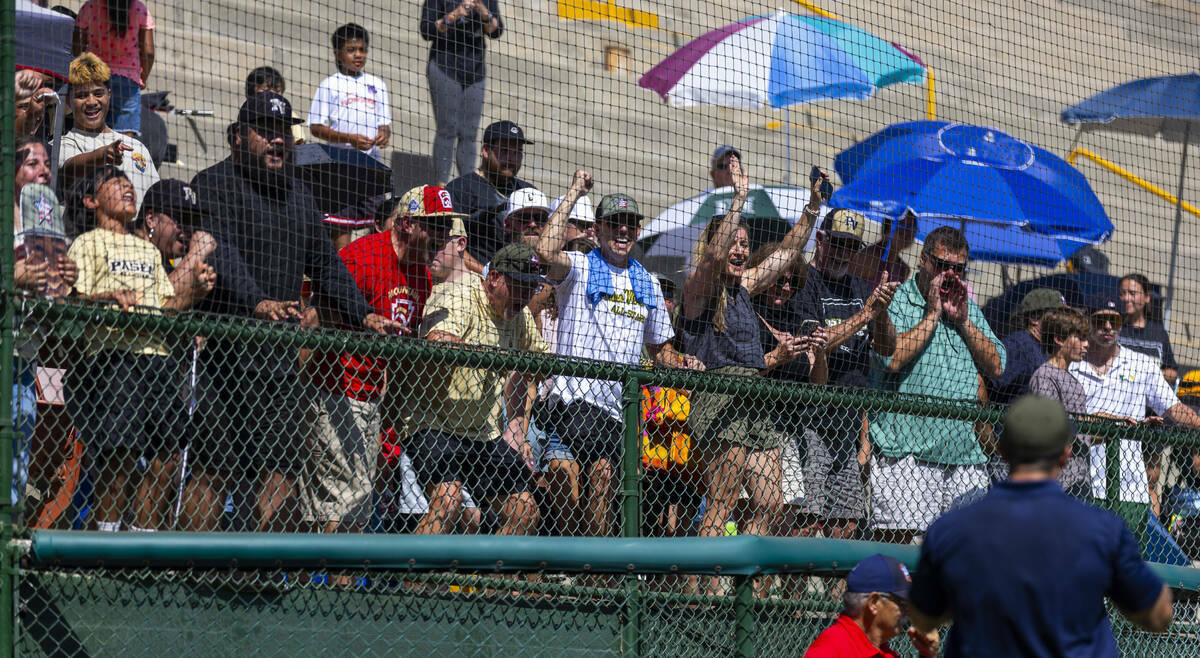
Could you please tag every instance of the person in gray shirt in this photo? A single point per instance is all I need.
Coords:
(1064, 335)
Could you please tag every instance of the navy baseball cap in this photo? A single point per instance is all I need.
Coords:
(504, 130)
(880, 573)
(267, 106)
(1105, 301)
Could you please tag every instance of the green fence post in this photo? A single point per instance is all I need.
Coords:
(631, 508)
(744, 616)
(8, 106)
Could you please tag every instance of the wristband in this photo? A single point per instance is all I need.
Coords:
(810, 211)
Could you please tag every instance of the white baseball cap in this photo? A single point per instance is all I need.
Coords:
(583, 212)
(524, 198)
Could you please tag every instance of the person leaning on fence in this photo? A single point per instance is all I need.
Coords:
(778, 323)
(41, 268)
(1064, 335)
(1120, 384)
(269, 235)
(170, 219)
(855, 316)
(471, 426)
(90, 143)
(609, 307)
(392, 272)
(483, 193)
(1025, 571)
(735, 442)
(124, 398)
(921, 466)
(874, 607)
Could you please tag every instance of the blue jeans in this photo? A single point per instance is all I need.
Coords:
(125, 107)
(24, 409)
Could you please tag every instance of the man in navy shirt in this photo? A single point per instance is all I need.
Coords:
(1024, 347)
(1024, 571)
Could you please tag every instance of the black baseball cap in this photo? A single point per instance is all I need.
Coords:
(1105, 302)
(175, 198)
(267, 106)
(504, 130)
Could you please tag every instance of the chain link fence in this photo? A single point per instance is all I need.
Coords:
(283, 269)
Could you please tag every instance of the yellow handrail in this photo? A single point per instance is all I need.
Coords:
(1132, 178)
(930, 99)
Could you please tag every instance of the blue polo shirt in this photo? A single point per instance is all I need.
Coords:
(1025, 355)
(1025, 570)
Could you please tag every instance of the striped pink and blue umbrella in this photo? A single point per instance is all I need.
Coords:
(780, 60)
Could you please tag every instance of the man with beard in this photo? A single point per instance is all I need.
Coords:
(269, 236)
(391, 269)
(856, 320)
(483, 193)
(1120, 383)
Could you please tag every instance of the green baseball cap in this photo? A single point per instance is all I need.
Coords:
(1042, 299)
(617, 204)
(519, 261)
(1035, 428)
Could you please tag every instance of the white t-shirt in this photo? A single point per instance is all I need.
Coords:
(136, 164)
(1133, 382)
(352, 105)
(614, 330)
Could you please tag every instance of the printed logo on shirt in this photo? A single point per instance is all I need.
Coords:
(139, 161)
(403, 309)
(626, 305)
(135, 267)
(357, 100)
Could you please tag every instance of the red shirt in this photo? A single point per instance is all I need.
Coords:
(844, 639)
(397, 292)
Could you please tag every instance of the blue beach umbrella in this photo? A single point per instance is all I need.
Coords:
(1017, 203)
(1167, 106)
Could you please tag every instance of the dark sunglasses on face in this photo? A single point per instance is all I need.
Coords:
(849, 247)
(616, 221)
(530, 218)
(794, 281)
(940, 265)
(1101, 319)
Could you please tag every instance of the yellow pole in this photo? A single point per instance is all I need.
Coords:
(930, 99)
(1132, 178)
(817, 10)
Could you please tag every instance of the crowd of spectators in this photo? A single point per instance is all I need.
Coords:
(335, 441)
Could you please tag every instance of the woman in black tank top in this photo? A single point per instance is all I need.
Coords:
(735, 442)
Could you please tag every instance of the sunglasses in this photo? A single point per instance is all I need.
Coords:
(845, 246)
(940, 265)
(795, 281)
(529, 218)
(1101, 319)
(628, 221)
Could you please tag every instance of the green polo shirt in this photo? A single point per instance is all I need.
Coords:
(943, 369)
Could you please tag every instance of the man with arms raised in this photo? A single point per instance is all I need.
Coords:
(609, 306)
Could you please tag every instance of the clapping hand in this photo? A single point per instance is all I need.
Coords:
(882, 296)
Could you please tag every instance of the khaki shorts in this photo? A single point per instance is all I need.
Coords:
(343, 460)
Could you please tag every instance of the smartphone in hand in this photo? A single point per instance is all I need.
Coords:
(808, 326)
(826, 184)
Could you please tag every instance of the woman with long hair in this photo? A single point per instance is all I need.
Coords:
(736, 443)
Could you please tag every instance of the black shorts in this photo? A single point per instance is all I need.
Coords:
(121, 400)
(248, 422)
(590, 432)
(487, 468)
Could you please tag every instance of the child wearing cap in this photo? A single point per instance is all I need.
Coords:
(351, 106)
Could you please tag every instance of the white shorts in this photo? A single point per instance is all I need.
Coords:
(908, 494)
(793, 472)
(411, 497)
